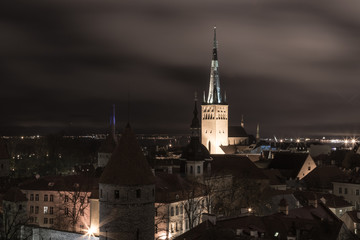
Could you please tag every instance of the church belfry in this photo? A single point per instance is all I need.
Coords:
(214, 111)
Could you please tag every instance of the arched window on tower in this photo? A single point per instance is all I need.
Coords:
(198, 169)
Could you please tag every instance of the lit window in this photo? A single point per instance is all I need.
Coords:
(46, 209)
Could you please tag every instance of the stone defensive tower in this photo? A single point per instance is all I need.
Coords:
(127, 193)
(214, 111)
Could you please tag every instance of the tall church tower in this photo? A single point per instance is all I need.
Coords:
(214, 111)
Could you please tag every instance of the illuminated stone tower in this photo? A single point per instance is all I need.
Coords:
(127, 193)
(214, 111)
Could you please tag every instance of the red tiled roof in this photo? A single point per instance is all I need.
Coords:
(127, 165)
(321, 177)
(61, 183)
(238, 166)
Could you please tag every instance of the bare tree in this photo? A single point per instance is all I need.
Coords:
(14, 217)
(73, 206)
(194, 204)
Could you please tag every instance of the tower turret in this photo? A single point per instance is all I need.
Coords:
(195, 123)
(127, 193)
(195, 154)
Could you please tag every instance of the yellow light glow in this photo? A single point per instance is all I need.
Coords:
(353, 141)
(249, 209)
(297, 140)
(91, 231)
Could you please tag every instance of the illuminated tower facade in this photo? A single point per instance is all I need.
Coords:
(214, 111)
(127, 193)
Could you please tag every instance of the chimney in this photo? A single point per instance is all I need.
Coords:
(284, 207)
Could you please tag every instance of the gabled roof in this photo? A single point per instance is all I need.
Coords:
(323, 176)
(127, 165)
(354, 215)
(238, 166)
(4, 153)
(290, 162)
(328, 199)
(236, 131)
(274, 176)
(14, 194)
(307, 221)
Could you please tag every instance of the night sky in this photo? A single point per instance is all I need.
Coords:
(292, 66)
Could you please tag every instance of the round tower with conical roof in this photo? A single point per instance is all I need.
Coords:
(127, 193)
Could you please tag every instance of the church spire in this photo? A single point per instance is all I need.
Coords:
(195, 124)
(112, 122)
(214, 95)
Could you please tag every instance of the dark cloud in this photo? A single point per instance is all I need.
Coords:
(291, 66)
